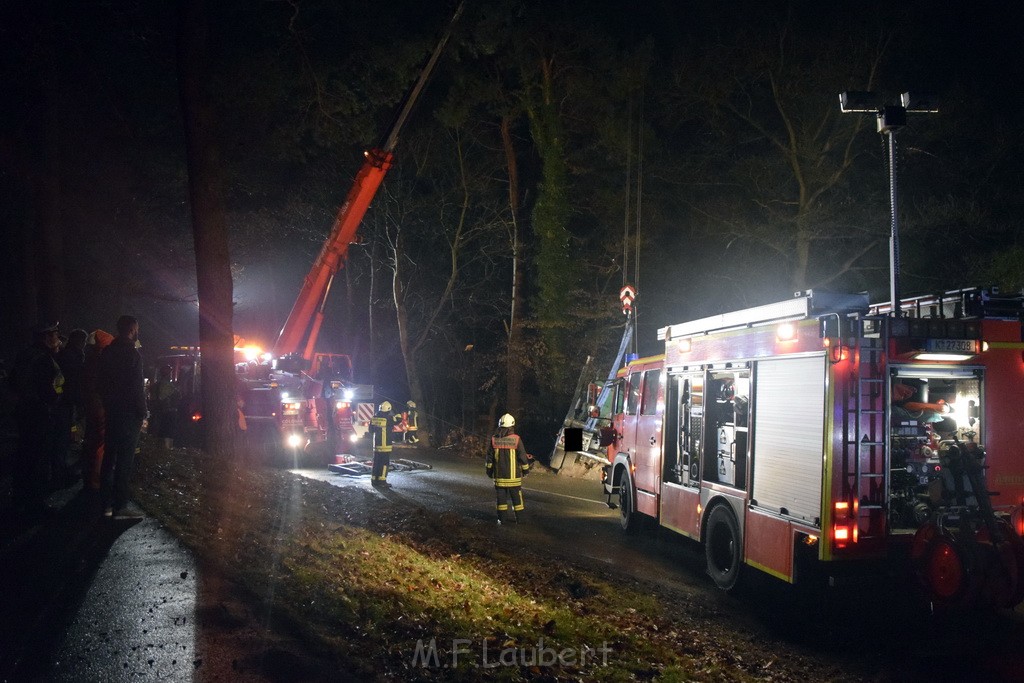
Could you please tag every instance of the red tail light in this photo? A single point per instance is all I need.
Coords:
(844, 527)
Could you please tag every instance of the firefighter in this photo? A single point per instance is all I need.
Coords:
(411, 423)
(507, 464)
(381, 426)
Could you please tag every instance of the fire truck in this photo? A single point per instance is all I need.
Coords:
(823, 435)
(307, 398)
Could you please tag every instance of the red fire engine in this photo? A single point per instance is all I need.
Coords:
(826, 433)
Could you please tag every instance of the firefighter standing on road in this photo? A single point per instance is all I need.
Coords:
(381, 425)
(507, 464)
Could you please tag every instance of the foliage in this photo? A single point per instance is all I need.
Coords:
(703, 137)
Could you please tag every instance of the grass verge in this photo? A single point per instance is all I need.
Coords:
(392, 591)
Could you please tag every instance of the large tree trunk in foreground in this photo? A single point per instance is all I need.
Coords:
(210, 234)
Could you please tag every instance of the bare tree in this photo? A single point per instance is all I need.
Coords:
(441, 244)
(778, 157)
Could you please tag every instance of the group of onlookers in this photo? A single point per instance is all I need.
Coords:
(82, 388)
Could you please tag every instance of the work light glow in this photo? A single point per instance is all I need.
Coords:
(944, 356)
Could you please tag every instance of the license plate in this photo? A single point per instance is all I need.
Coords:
(953, 345)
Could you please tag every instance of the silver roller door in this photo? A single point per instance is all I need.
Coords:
(789, 436)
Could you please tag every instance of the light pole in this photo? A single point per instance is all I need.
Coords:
(890, 118)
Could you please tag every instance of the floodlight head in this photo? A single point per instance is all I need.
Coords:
(858, 101)
(924, 103)
(891, 118)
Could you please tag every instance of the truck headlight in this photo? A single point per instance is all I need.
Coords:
(294, 440)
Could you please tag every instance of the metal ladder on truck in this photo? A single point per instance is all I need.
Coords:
(867, 442)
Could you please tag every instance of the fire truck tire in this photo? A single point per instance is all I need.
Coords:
(1005, 583)
(922, 541)
(1017, 544)
(722, 547)
(945, 572)
(628, 519)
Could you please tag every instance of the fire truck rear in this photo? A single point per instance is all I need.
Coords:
(824, 433)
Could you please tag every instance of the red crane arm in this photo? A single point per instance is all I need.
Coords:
(332, 254)
(307, 313)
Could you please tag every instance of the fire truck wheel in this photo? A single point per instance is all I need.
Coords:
(1006, 565)
(945, 573)
(722, 544)
(627, 508)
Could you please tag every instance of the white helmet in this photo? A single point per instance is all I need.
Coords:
(507, 421)
(411, 404)
(385, 407)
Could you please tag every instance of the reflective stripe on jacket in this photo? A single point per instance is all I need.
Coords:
(381, 432)
(507, 461)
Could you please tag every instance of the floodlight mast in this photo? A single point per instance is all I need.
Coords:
(890, 118)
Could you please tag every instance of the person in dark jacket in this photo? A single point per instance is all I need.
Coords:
(38, 385)
(164, 398)
(507, 464)
(71, 411)
(122, 387)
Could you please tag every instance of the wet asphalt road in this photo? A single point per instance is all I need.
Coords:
(137, 618)
(88, 598)
(565, 515)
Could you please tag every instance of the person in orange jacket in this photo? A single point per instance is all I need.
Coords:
(95, 419)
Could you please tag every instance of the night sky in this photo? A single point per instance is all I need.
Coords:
(93, 198)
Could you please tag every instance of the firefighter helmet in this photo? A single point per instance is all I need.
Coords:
(507, 421)
(411, 404)
(385, 407)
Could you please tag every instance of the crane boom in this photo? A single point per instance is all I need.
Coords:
(306, 315)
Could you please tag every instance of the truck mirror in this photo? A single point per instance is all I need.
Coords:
(593, 390)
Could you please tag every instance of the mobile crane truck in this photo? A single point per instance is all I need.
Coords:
(306, 398)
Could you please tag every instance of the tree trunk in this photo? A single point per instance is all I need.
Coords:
(210, 234)
(408, 351)
(555, 270)
(514, 365)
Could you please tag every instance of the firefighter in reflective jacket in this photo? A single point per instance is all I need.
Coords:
(412, 422)
(507, 464)
(381, 425)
